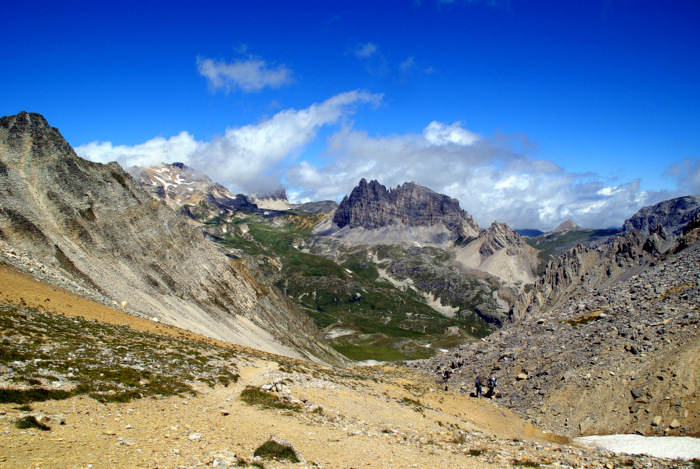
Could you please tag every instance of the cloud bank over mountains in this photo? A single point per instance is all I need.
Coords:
(495, 178)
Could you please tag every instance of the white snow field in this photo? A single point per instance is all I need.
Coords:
(672, 447)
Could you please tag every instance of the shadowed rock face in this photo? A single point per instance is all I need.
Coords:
(672, 214)
(372, 206)
(96, 224)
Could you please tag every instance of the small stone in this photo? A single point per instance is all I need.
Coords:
(195, 436)
(521, 376)
(656, 421)
(585, 426)
(674, 424)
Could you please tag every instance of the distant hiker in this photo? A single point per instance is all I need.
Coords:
(492, 386)
(445, 377)
(477, 383)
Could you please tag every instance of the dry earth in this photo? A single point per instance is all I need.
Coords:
(379, 417)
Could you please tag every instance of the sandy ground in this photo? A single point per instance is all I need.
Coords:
(393, 418)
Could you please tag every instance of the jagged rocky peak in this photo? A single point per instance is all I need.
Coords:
(371, 206)
(499, 236)
(565, 226)
(673, 215)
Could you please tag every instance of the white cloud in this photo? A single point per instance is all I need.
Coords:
(408, 65)
(248, 75)
(155, 151)
(245, 158)
(437, 133)
(495, 178)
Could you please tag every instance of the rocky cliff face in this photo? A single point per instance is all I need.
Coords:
(95, 224)
(409, 210)
(275, 200)
(672, 214)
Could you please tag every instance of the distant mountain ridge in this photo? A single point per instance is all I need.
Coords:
(673, 215)
(567, 225)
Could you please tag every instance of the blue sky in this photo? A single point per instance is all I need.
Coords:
(528, 112)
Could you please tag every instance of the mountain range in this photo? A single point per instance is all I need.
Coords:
(573, 315)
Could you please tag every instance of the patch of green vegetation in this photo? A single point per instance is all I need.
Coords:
(273, 450)
(106, 362)
(371, 352)
(337, 284)
(31, 422)
(256, 396)
(26, 396)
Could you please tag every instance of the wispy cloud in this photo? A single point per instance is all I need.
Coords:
(252, 74)
(408, 65)
(366, 50)
(371, 56)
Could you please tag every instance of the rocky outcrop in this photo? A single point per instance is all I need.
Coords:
(497, 237)
(94, 223)
(673, 215)
(410, 212)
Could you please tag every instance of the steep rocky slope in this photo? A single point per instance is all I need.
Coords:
(96, 226)
(407, 213)
(583, 268)
(619, 357)
(596, 264)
